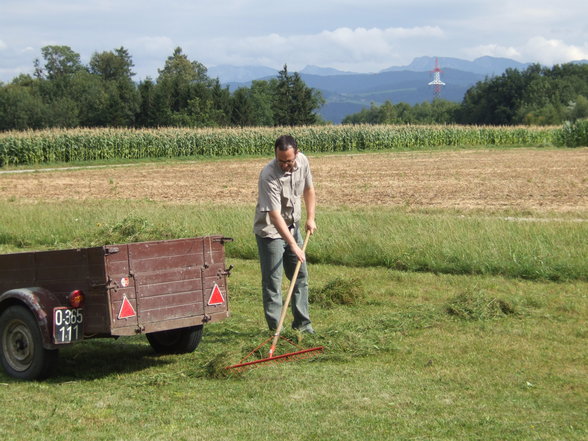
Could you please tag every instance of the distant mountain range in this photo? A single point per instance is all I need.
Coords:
(348, 92)
(487, 66)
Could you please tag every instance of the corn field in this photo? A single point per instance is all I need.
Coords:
(74, 145)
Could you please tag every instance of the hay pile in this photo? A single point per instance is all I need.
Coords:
(477, 305)
(338, 291)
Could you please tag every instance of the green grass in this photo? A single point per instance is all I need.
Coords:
(397, 366)
(440, 242)
(438, 325)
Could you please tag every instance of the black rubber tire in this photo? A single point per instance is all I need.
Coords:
(176, 341)
(21, 346)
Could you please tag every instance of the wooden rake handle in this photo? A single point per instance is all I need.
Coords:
(288, 297)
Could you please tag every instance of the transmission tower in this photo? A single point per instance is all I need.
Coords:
(436, 83)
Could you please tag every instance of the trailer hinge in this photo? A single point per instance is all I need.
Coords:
(111, 250)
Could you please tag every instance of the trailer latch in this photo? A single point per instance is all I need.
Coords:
(109, 284)
(226, 272)
(222, 240)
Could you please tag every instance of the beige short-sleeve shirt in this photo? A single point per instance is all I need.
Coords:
(281, 191)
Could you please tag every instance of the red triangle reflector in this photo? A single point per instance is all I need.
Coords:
(126, 309)
(216, 297)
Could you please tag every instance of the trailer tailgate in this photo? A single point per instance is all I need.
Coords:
(160, 285)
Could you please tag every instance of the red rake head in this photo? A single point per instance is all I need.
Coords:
(293, 356)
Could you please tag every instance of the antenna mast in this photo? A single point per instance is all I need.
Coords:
(436, 83)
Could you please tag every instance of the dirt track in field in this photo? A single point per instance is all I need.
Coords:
(519, 179)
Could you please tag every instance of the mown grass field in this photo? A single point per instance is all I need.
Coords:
(465, 323)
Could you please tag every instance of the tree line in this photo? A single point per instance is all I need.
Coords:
(62, 92)
(535, 96)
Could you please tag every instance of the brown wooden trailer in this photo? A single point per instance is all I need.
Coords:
(165, 289)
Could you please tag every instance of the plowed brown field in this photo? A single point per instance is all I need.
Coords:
(519, 179)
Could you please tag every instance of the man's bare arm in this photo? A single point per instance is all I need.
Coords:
(310, 204)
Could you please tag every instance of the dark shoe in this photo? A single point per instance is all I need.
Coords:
(273, 331)
(307, 330)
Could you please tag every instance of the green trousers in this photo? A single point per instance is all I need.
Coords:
(275, 254)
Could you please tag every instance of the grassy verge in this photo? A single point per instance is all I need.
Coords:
(447, 243)
(402, 363)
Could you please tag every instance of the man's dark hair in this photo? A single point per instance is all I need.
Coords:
(286, 142)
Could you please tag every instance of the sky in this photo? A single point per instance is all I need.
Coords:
(349, 35)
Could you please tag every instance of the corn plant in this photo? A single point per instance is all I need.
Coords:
(75, 145)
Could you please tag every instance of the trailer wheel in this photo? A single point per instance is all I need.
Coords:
(21, 346)
(175, 341)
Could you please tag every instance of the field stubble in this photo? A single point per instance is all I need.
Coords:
(533, 180)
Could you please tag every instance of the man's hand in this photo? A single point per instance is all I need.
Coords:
(298, 251)
(282, 228)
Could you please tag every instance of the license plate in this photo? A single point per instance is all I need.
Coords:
(68, 325)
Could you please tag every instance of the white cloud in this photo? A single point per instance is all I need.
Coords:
(359, 48)
(550, 52)
(152, 44)
(7, 74)
(537, 49)
(30, 8)
(493, 50)
(355, 35)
